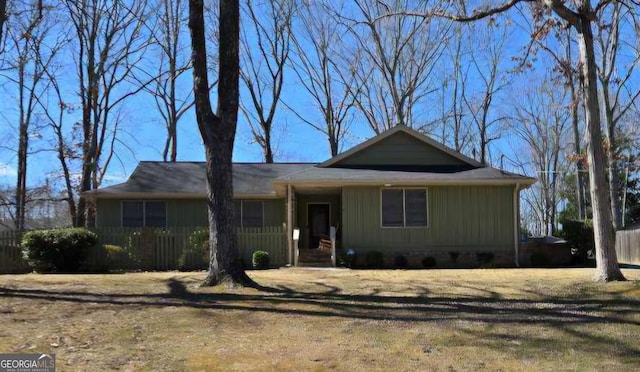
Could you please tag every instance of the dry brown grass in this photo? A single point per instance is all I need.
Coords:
(454, 320)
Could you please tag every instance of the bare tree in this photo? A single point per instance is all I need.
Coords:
(33, 49)
(454, 126)
(541, 122)
(110, 45)
(218, 133)
(264, 60)
(325, 72)
(485, 61)
(397, 57)
(172, 64)
(619, 88)
(582, 17)
(54, 109)
(567, 75)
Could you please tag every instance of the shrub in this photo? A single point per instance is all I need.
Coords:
(374, 260)
(348, 258)
(60, 250)
(400, 262)
(579, 236)
(117, 258)
(454, 256)
(141, 246)
(429, 261)
(539, 259)
(484, 258)
(195, 255)
(260, 260)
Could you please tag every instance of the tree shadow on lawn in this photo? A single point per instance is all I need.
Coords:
(488, 307)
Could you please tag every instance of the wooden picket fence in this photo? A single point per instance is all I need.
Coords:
(628, 246)
(161, 249)
(11, 260)
(154, 249)
(269, 239)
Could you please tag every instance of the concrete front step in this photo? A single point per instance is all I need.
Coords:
(314, 258)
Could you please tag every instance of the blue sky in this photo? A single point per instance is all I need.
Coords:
(143, 134)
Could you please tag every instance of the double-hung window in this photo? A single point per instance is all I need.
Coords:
(248, 213)
(144, 213)
(404, 207)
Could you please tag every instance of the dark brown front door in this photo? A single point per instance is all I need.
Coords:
(318, 217)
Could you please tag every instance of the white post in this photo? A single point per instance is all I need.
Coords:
(332, 234)
(296, 237)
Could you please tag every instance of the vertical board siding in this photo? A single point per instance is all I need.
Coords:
(628, 246)
(11, 260)
(463, 218)
(400, 148)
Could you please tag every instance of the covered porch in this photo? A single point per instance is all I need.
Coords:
(313, 223)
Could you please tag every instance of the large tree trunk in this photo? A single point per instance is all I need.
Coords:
(218, 133)
(606, 261)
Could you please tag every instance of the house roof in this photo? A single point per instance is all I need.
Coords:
(260, 180)
(388, 133)
(188, 179)
(484, 175)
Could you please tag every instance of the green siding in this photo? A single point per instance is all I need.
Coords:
(400, 149)
(185, 212)
(462, 218)
(301, 204)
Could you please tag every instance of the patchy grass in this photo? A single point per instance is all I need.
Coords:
(454, 320)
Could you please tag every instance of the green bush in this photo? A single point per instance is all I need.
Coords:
(260, 260)
(539, 259)
(400, 262)
(579, 236)
(347, 259)
(374, 260)
(429, 262)
(484, 258)
(195, 255)
(454, 256)
(60, 250)
(118, 258)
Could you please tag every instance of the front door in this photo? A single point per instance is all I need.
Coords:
(318, 217)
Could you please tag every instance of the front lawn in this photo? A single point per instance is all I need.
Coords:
(454, 320)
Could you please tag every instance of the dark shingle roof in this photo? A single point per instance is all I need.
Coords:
(478, 175)
(188, 178)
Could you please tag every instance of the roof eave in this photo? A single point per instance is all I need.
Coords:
(96, 194)
(524, 183)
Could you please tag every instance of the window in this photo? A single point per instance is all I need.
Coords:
(132, 214)
(404, 207)
(248, 213)
(144, 213)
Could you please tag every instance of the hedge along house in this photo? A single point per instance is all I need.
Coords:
(399, 193)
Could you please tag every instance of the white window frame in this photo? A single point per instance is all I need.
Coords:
(242, 213)
(404, 208)
(144, 213)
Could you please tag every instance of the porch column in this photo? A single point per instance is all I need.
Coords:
(290, 223)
